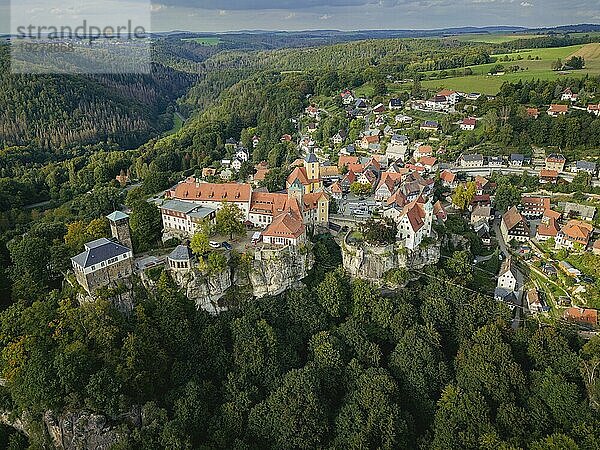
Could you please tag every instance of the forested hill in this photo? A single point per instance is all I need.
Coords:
(54, 112)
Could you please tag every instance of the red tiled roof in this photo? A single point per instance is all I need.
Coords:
(286, 225)
(447, 176)
(311, 201)
(558, 108)
(582, 315)
(300, 174)
(226, 192)
(511, 218)
(428, 161)
(346, 160)
(545, 173)
(548, 230)
(577, 230)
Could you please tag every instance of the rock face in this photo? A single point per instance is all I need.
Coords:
(205, 289)
(271, 272)
(277, 270)
(86, 430)
(373, 262)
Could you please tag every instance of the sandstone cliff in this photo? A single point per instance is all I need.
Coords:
(371, 263)
(271, 271)
(275, 271)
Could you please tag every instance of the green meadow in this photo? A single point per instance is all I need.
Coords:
(534, 64)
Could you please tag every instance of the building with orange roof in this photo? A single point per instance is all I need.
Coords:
(547, 230)
(534, 207)
(428, 162)
(315, 208)
(260, 175)
(366, 141)
(534, 113)
(213, 195)
(583, 316)
(347, 160)
(423, 151)
(308, 175)
(448, 179)
(596, 247)
(265, 206)
(548, 176)
(286, 229)
(336, 190)
(514, 226)
(558, 110)
(574, 232)
(440, 212)
(387, 185)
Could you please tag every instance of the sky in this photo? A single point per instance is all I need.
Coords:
(231, 15)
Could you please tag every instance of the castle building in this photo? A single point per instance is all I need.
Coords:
(119, 228)
(308, 175)
(414, 221)
(305, 199)
(105, 262)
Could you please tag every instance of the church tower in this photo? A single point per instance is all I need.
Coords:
(119, 227)
(312, 167)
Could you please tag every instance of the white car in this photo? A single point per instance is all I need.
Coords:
(214, 244)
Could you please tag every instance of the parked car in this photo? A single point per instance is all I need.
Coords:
(214, 244)
(226, 246)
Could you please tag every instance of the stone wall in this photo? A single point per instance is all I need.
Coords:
(369, 262)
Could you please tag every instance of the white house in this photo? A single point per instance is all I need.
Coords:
(414, 221)
(507, 278)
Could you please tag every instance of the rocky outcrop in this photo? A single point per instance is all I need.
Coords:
(205, 289)
(87, 430)
(371, 263)
(275, 270)
(272, 271)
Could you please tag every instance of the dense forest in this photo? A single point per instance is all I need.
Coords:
(53, 113)
(334, 365)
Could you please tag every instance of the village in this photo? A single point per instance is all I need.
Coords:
(394, 168)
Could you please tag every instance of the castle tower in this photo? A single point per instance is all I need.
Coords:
(296, 191)
(119, 227)
(312, 167)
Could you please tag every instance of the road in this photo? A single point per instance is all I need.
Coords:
(487, 171)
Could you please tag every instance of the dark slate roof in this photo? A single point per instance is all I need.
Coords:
(586, 165)
(181, 253)
(505, 295)
(311, 158)
(116, 216)
(475, 157)
(99, 251)
(517, 157)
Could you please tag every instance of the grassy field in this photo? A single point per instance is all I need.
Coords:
(536, 64)
(177, 124)
(207, 41)
(591, 54)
